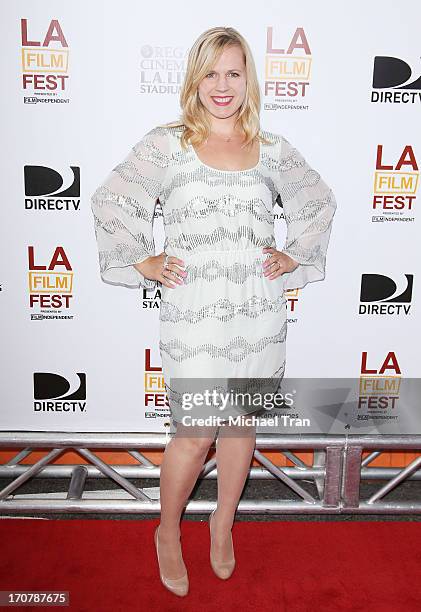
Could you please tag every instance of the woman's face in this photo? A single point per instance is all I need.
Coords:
(223, 89)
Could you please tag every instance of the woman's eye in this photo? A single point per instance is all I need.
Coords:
(212, 74)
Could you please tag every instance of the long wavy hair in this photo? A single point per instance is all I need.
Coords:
(201, 58)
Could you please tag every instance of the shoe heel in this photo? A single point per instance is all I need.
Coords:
(178, 586)
(222, 570)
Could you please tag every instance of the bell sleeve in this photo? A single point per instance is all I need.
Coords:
(309, 206)
(123, 208)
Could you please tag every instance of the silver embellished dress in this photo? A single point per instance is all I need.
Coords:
(227, 320)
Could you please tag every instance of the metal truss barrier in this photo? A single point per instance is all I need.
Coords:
(336, 473)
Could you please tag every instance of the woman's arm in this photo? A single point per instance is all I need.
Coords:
(123, 207)
(309, 206)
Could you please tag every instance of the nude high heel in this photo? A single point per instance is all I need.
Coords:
(222, 569)
(178, 586)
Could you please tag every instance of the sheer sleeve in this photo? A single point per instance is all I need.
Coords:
(309, 206)
(123, 207)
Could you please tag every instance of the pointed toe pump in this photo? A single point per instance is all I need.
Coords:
(178, 586)
(222, 569)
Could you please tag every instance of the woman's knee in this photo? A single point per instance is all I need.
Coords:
(198, 440)
(237, 431)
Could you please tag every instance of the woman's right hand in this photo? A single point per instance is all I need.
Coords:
(153, 269)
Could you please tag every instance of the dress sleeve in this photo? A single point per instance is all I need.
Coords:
(123, 208)
(309, 206)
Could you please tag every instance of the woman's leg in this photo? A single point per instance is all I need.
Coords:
(183, 460)
(234, 451)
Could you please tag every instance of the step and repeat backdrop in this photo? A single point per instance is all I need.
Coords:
(83, 82)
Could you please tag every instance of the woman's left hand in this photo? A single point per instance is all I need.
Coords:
(278, 263)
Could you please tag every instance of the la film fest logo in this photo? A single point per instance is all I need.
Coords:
(49, 189)
(155, 398)
(287, 70)
(396, 181)
(292, 297)
(395, 81)
(383, 296)
(379, 386)
(162, 69)
(55, 393)
(50, 285)
(45, 62)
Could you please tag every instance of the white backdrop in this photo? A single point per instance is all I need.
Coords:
(75, 103)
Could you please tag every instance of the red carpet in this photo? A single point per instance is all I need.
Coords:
(293, 566)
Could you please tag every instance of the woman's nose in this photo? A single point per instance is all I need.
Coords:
(222, 85)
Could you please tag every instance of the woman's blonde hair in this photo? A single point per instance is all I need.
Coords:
(201, 59)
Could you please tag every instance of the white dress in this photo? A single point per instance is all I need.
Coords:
(227, 320)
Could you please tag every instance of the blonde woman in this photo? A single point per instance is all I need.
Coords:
(217, 176)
